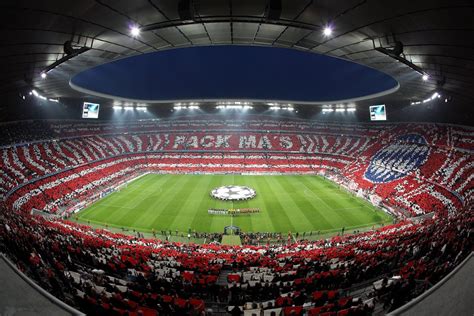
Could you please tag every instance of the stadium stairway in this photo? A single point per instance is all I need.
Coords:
(214, 308)
(222, 280)
(219, 308)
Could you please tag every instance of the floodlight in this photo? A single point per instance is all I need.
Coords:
(425, 77)
(43, 75)
(135, 31)
(327, 31)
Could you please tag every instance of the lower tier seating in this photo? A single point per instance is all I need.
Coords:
(103, 273)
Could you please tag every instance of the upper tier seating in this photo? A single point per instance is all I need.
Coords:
(415, 167)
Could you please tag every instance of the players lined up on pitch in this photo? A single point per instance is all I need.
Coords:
(233, 211)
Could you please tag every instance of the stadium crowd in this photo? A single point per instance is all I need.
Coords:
(420, 169)
(104, 273)
(442, 182)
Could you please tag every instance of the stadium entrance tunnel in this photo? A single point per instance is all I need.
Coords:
(253, 73)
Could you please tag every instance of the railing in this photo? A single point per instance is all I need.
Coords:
(40, 290)
(405, 308)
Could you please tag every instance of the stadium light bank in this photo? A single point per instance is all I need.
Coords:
(435, 96)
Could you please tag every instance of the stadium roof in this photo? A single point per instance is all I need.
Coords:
(436, 36)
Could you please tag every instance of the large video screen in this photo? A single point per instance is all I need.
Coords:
(377, 113)
(90, 110)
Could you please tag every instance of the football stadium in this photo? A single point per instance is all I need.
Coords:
(237, 157)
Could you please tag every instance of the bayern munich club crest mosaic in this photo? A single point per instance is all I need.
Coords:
(402, 157)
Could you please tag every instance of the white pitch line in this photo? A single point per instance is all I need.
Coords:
(317, 198)
(333, 209)
(348, 208)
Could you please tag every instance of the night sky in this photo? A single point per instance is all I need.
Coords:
(234, 72)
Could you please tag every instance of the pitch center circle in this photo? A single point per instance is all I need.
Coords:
(233, 193)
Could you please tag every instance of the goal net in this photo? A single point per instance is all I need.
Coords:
(121, 186)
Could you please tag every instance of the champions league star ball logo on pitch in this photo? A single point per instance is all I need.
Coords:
(398, 159)
(233, 193)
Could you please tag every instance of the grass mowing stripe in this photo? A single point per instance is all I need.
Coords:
(156, 208)
(279, 216)
(347, 217)
(341, 200)
(296, 206)
(311, 210)
(243, 220)
(202, 220)
(315, 188)
(104, 214)
(128, 216)
(173, 202)
(135, 197)
(260, 221)
(324, 211)
(151, 194)
(366, 211)
(218, 222)
(197, 193)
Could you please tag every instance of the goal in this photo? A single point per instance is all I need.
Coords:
(122, 186)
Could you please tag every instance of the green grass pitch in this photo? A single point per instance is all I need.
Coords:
(296, 203)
